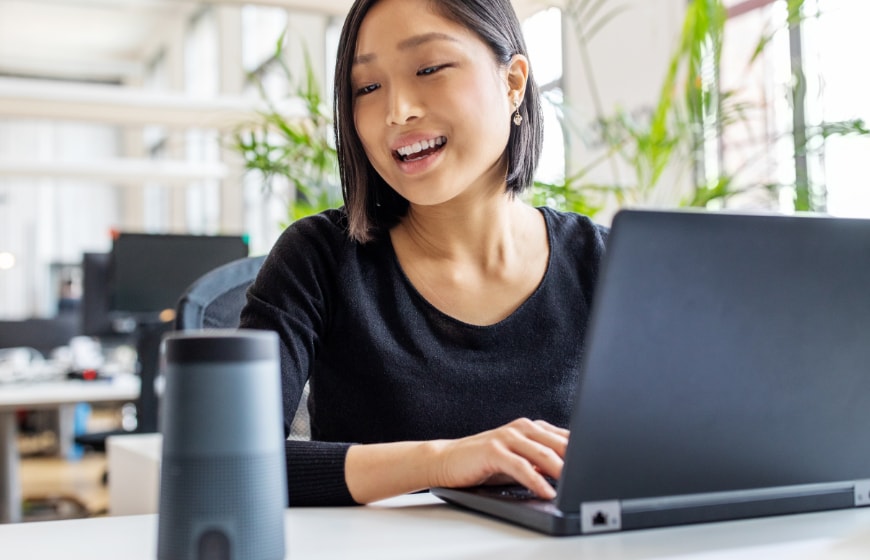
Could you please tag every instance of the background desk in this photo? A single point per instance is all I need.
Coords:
(420, 527)
(50, 394)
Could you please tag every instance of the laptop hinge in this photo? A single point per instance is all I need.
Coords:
(598, 517)
(862, 493)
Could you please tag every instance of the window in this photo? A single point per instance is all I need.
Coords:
(823, 56)
(543, 34)
(261, 28)
(834, 63)
(758, 148)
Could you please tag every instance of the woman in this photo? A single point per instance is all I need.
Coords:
(438, 317)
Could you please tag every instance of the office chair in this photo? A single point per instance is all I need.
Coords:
(215, 301)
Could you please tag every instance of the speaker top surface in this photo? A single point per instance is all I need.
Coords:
(220, 345)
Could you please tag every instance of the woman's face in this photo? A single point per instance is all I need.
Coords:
(432, 106)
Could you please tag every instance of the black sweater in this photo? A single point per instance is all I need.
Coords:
(385, 365)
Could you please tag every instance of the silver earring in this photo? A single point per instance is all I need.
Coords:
(518, 118)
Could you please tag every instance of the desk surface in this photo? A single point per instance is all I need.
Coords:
(421, 527)
(52, 393)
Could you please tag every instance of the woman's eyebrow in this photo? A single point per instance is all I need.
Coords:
(409, 43)
(418, 40)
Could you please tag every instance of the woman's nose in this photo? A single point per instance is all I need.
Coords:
(403, 106)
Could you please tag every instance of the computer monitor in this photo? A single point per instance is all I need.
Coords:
(149, 272)
(96, 317)
(42, 334)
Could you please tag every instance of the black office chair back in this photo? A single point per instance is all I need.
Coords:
(215, 301)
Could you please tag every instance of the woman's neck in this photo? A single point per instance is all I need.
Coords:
(478, 265)
(487, 233)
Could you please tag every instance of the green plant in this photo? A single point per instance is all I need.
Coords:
(670, 135)
(295, 146)
(673, 135)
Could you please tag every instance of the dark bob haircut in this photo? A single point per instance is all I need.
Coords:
(372, 205)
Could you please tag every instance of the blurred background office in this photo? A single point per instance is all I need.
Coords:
(115, 115)
(124, 116)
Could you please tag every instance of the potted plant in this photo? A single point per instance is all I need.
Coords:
(292, 146)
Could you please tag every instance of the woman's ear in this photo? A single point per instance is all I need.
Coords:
(517, 76)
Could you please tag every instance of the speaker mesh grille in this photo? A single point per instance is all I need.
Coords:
(242, 496)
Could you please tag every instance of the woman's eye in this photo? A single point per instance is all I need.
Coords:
(429, 70)
(367, 89)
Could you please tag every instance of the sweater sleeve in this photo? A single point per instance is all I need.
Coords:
(290, 297)
(315, 474)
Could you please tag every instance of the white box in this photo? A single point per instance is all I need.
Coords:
(134, 473)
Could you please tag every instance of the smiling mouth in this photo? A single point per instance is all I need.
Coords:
(420, 150)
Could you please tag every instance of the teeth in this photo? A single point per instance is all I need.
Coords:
(418, 147)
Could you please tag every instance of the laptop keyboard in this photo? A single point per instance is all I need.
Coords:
(514, 492)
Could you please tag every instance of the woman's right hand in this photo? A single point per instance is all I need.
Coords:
(522, 451)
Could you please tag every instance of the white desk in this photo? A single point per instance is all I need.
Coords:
(421, 527)
(50, 394)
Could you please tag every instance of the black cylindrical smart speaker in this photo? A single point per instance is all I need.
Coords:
(223, 484)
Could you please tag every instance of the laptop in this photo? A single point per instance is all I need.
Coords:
(726, 375)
